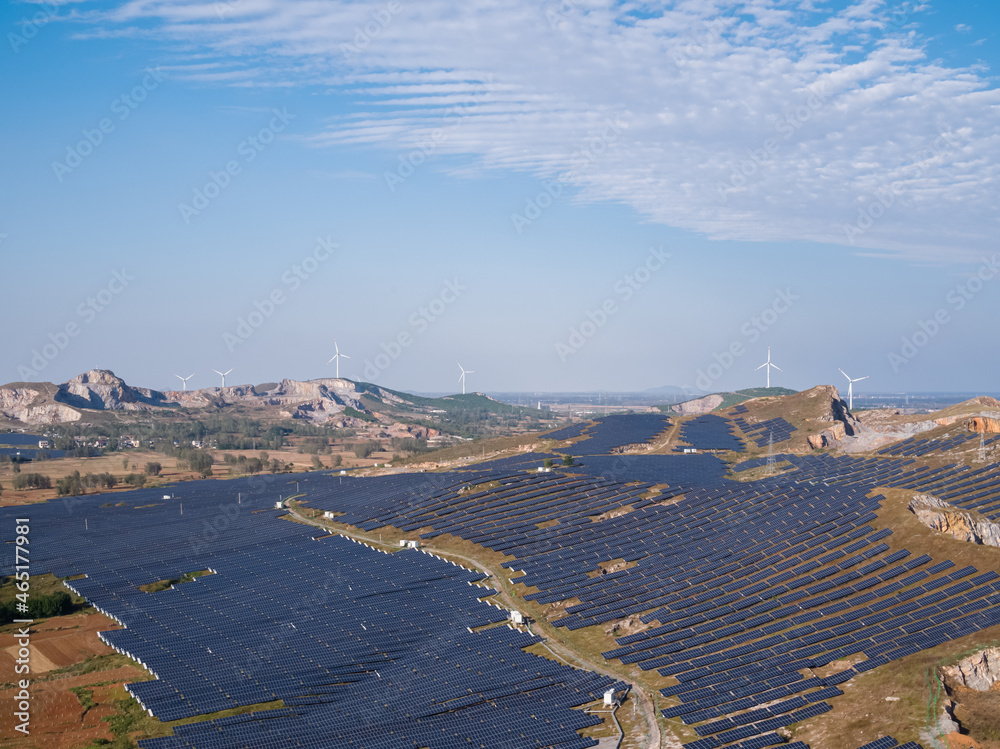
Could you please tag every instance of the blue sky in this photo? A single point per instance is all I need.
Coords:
(565, 195)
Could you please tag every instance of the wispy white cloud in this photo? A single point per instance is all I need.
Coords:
(762, 120)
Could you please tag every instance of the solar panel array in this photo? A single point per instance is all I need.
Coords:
(365, 648)
(744, 586)
(916, 447)
(676, 470)
(966, 487)
(567, 432)
(17, 439)
(711, 432)
(31, 453)
(619, 430)
(762, 432)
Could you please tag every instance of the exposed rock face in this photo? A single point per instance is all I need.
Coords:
(16, 403)
(839, 412)
(984, 424)
(698, 406)
(946, 518)
(102, 390)
(980, 671)
(828, 437)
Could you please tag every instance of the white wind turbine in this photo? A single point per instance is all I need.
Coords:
(184, 380)
(337, 357)
(223, 375)
(769, 365)
(850, 387)
(461, 377)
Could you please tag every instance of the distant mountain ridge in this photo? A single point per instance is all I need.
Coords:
(100, 393)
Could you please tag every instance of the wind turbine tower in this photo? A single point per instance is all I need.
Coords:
(850, 387)
(223, 375)
(461, 377)
(184, 380)
(337, 357)
(768, 366)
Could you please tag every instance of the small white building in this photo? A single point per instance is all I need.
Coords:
(609, 698)
(517, 617)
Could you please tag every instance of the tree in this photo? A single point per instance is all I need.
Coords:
(137, 480)
(70, 486)
(548, 462)
(33, 481)
(153, 469)
(337, 460)
(317, 463)
(125, 464)
(567, 460)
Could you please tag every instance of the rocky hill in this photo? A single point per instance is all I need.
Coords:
(100, 395)
(100, 391)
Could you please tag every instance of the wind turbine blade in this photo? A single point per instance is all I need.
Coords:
(843, 373)
(862, 378)
(344, 356)
(762, 365)
(189, 376)
(777, 367)
(333, 357)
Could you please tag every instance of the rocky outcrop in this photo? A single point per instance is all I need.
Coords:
(828, 437)
(980, 671)
(983, 424)
(840, 412)
(942, 517)
(698, 406)
(18, 403)
(102, 390)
